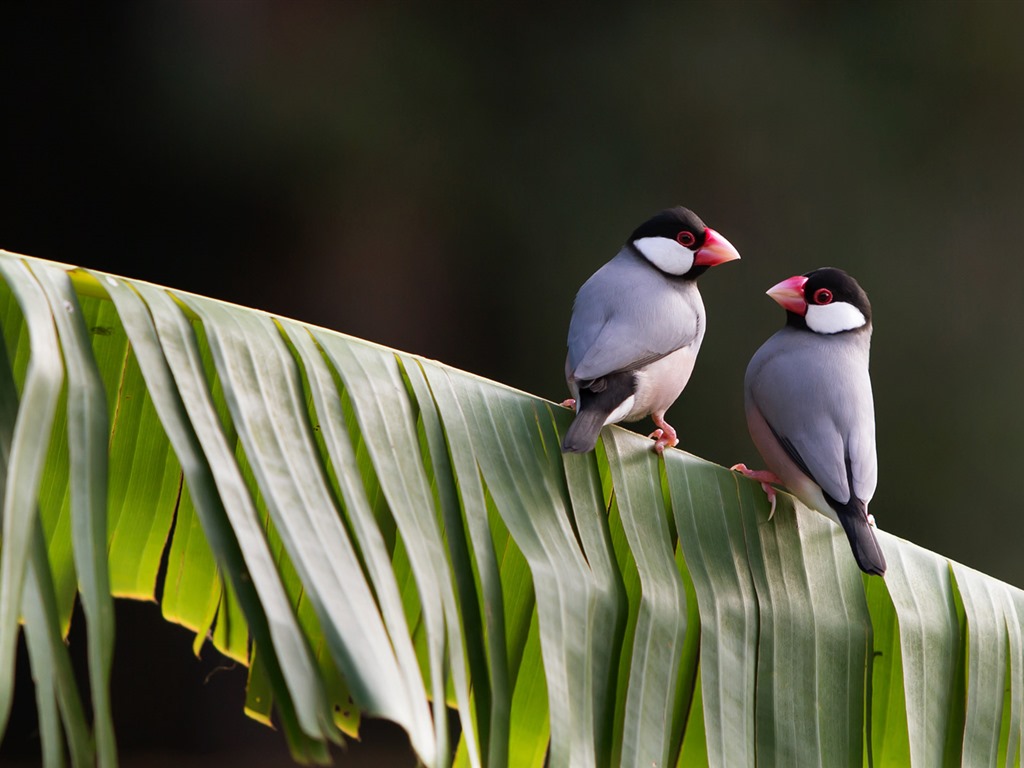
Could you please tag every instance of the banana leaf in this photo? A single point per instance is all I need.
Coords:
(360, 524)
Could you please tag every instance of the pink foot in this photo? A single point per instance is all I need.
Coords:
(764, 477)
(568, 403)
(664, 436)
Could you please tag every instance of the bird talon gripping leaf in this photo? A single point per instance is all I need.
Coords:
(809, 406)
(765, 478)
(637, 325)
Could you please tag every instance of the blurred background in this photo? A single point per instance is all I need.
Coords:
(443, 179)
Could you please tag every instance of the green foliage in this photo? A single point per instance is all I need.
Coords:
(359, 524)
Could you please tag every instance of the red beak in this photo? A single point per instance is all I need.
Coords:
(716, 250)
(789, 294)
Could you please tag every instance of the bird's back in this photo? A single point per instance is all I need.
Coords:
(815, 391)
(629, 314)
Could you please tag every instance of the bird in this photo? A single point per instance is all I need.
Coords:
(636, 327)
(809, 406)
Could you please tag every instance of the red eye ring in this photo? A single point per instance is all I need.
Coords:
(823, 296)
(686, 239)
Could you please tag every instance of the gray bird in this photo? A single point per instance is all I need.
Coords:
(637, 325)
(809, 406)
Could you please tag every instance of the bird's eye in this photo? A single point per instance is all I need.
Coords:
(686, 239)
(823, 296)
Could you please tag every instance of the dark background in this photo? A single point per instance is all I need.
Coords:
(442, 180)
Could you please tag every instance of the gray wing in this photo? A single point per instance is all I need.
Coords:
(628, 315)
(815, 394)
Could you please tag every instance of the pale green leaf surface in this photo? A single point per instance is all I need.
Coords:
(661, 623)
(43, 665)
(1015, 618)
(374, 384)
(191, 588)
(466, 655)
(512, 436)
(552, 555)
(986, 664)
(360, 514)
(88, 435)
(48, 656)
(55, 514)
(56, 688)
(144, 475)
(230, 521)
(529, 727)
(54, 496)
(630, 576)
(55, 491)
(43, 381)
(259, 691)
(1013, 703)
(887, 734)
(230, 632)
(929, 646)
(814, 635)
(713, 543)
(520, 613)
(608, 609)
(493, 692)
(693, 752)
(689, 661)
(263, 393)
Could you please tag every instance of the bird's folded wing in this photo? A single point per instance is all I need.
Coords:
(833, 450)
(821, 455)
(631, 332)
(622, 347)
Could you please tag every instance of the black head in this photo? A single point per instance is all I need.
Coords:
(825, 301)
(671, 223)
(842, 287)
(676, 242)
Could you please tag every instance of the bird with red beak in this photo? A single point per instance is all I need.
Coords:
(809, 405)
(637, 325)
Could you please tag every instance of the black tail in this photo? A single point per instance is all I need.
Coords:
(862, 540)
(597, 400)
(582, 434)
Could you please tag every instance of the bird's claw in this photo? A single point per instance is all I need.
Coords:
(664, 436)
(663, 439)
(770, 493)
(765, 478)
(568, 403)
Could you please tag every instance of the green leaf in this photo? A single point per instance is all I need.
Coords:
(814, 635)
(713, 545)
(659, 633)
(29, 444)
(262, 388)
(987, 607)
(929, 647)
(221, 498)
(374, 532)
(88, 430)
(493, 691)
(51, 667)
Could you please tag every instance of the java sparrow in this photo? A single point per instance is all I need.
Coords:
(809, 407)
(637, 325)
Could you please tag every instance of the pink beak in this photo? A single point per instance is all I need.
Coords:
(789, 294)
(716, 250)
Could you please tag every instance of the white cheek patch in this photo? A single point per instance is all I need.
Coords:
(834, 318)
(621, 412)
(667, 255)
